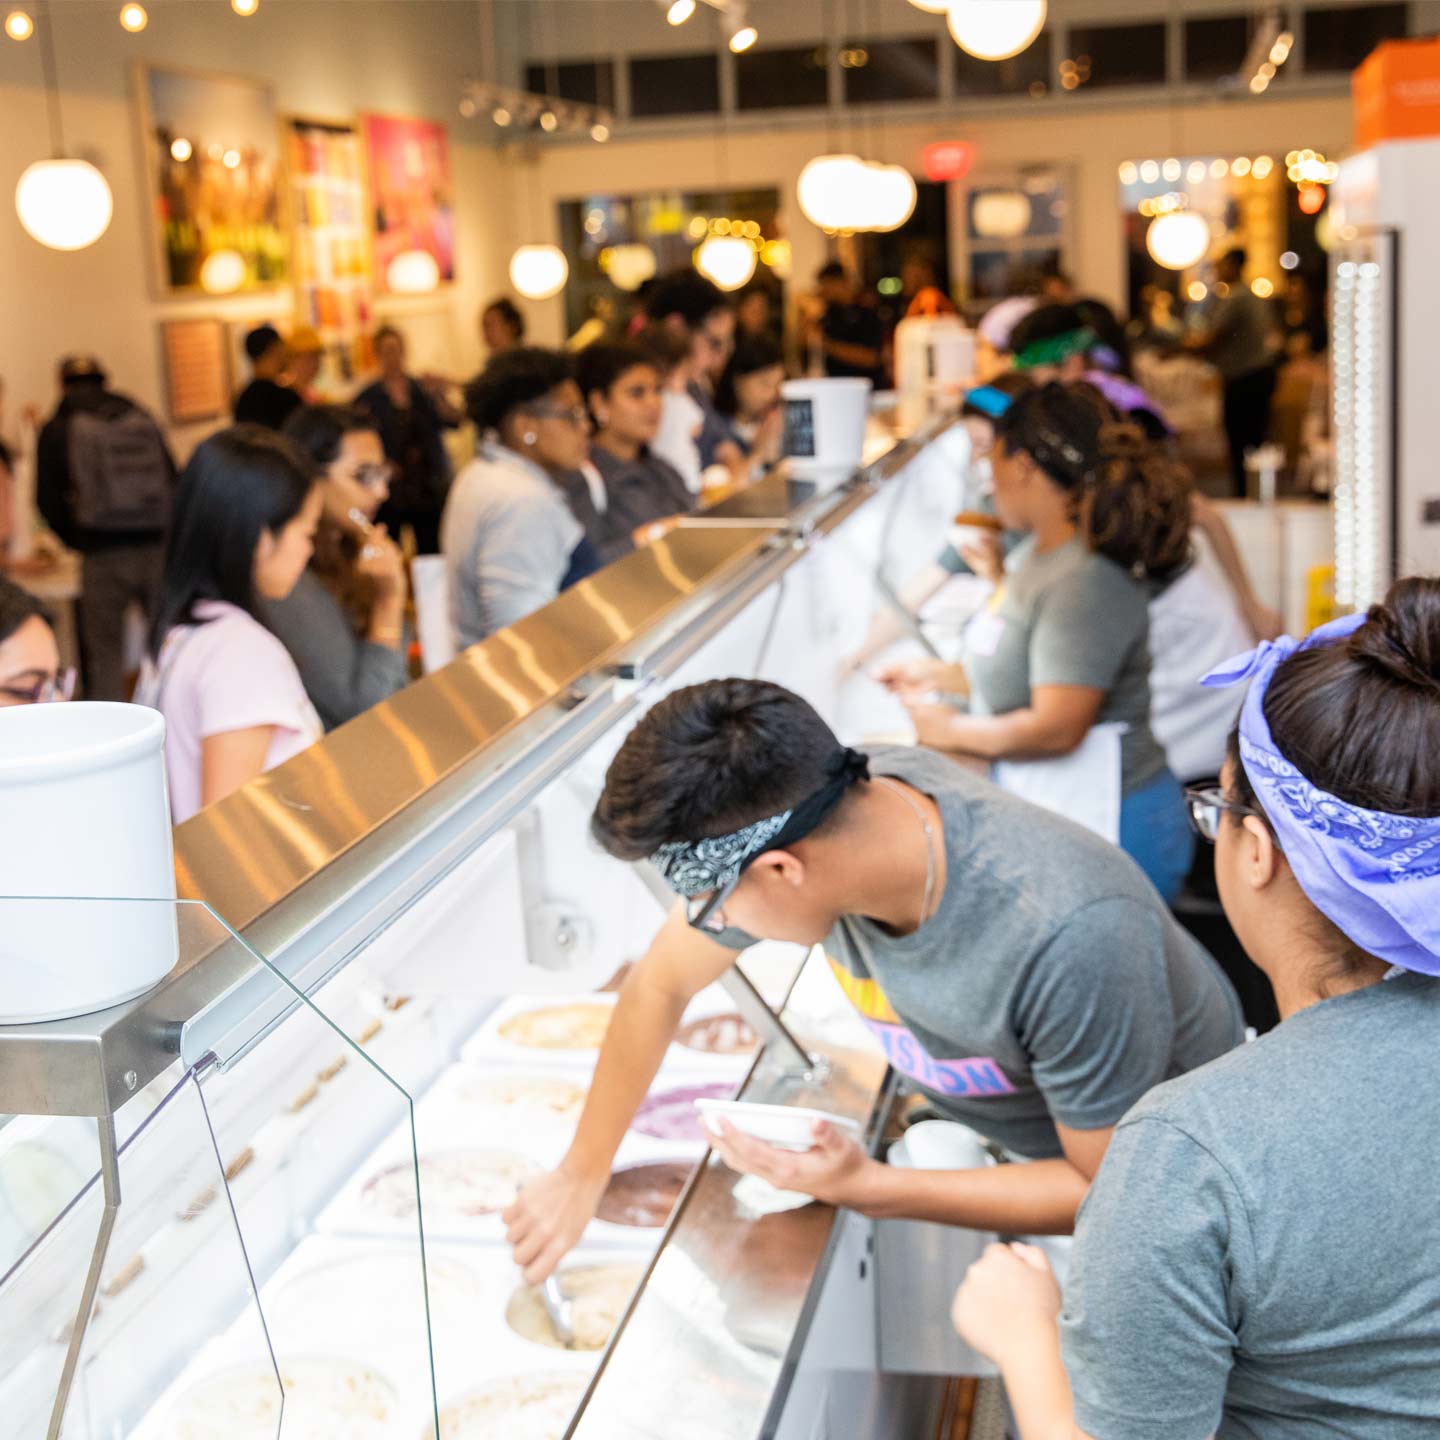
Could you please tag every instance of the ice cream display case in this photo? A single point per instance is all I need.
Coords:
(262, 1200)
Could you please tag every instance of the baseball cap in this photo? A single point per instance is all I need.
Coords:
(305, 341)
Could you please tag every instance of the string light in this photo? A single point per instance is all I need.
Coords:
(181, 149)
(18, 25)
(244, 7)
(133, 18)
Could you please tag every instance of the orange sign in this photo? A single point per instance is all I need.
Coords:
(1397, 92)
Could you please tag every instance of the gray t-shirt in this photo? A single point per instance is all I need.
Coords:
(1259, 1257)
(1241, 345)
(1051, 984)
(1068, 617)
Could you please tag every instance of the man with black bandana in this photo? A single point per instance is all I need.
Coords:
(1018, 969)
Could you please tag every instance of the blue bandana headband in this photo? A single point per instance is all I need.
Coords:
(1374, 875)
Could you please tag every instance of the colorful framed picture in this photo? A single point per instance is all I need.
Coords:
(212, 152)
(412, 205)
(330, 255)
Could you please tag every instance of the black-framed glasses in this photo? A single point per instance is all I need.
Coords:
(47, 690)
(703, 912)
(1205, 804)
(577, 415)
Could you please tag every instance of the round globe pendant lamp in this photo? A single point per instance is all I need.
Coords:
(995, 29)
(726, 260)
(1178, 240)
(539, 271)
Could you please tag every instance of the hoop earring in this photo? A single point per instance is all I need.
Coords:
(529, 438)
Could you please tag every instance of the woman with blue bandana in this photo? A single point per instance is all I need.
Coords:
(1259, 1256)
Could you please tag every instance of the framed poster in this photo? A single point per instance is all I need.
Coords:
(212, 153)
(411, 203)
(197, 370)
(331, 245)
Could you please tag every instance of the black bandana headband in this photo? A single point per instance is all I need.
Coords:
(695, 867)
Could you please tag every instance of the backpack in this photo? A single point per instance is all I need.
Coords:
(121, 478)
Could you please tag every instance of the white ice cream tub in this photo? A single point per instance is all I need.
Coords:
(825, 427)
(84, 818)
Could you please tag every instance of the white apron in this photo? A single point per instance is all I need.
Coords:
(1084, 785)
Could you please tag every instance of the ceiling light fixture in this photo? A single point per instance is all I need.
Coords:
(678, 12)
(245, 7)
(539, 271)
(18, 25)
(995, 29)
(133, 18)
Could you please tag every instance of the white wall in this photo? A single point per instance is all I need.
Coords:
(326, 58)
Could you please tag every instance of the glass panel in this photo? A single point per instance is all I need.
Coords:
(1215, 46)
(1027, 73)
(1103, 55)
(775, 79)
(1035, 207)
(880, 71)
(993, 273)
(674, 84)
(586, 82)
(1339, 38)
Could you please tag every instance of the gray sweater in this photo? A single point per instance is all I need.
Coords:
(344, 674)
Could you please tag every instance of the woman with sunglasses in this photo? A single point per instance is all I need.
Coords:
(30, 672)
(1259, 1255)
(510, 541)
(344, 622)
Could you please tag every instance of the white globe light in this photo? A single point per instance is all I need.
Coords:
(727, 260)
(995, 29)
(932, 7)
(892, 196)
(1001, 214)
(223, 272)
(412, 272)
(1178, 240)
(539, 271)
(826, 189)
(630, 266)
(65, 204)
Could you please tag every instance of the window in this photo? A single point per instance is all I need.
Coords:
(674, 84)
(1014, 227)
(1027, 73)
(1102, 55)
(1216, 46)
(586, 82)
(882, 71)
(773, 79)
(1339, 39)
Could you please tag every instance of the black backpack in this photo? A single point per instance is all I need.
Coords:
(121, 478)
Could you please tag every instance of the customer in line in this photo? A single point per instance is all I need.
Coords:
(1062, 647)
(697, 311)
(627, 486)
(234, 703)
(30, 669)
(412, 418)
(502, 326)
(1259, 1255)
(1236, 339)
(510, 541)
(105, 483)
(266, 400)
(748, 397)
(307, 354)
(847, 333)
(344, 622)
(1015, 967)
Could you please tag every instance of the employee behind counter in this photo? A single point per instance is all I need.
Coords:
(1015, 966)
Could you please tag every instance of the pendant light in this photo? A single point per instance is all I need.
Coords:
(728, 260)
(64, 202)
(932, 7)
(1178, 240)
(995, 29)
(412, 272)
(223, 272)
(539, 271)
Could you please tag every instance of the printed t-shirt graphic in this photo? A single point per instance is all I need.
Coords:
(977, 1075)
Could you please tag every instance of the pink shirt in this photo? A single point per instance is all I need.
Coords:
(229, 673)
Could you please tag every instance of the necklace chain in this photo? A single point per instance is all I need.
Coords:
(929, 845)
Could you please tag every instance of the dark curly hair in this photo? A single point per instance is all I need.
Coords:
(514, 380)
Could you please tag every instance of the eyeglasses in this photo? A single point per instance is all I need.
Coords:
(45, 691)
(703, 912)
(577, 415)
(1205, 804)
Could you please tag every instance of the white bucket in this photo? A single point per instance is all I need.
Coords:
(825, 428)
(84, 815)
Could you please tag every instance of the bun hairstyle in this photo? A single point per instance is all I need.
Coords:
(1130, 500)
(1361, 718)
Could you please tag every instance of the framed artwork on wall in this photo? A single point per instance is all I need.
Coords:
(330, 253)
(412, 207)
(212, 157)
(197, 370)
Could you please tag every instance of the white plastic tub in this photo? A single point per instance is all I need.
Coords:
(825, 428)
(84, 818)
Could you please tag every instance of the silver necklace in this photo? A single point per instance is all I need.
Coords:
(929, 845)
